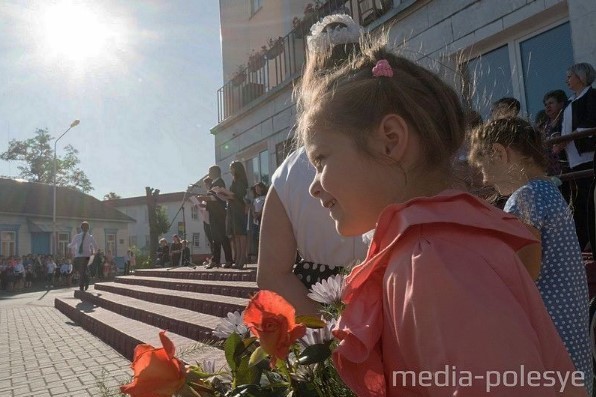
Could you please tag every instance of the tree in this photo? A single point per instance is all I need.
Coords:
(158, 220)
(37, 156)
(111, 196)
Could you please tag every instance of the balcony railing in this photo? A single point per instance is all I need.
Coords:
(284, 61)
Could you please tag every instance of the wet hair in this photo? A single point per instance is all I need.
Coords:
(584, 71)
(513, 132)
(350, 100)
(238, 172)
(559, 96)
(505, 107)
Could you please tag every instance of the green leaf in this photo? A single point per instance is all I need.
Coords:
(310, 321)
(232, 346)
(314, 354)
(245, 374)
(257, 356)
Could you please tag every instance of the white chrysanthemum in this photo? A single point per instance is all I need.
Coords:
(208, 366)
(230, 324)
(321, 39)
(329, 290)
(319, 335)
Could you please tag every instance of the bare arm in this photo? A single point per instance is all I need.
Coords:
(277, 255)
(531, 255)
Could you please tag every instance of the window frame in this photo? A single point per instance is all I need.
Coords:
(513, 42)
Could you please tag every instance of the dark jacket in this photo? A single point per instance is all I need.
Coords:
(583, 113)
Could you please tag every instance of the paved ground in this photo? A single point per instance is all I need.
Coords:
(43, 353)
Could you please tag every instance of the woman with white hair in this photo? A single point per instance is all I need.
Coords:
(580, 114)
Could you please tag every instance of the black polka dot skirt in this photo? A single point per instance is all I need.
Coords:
(311, 273)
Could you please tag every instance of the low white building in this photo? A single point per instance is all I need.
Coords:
(182, 214)
(26, 220)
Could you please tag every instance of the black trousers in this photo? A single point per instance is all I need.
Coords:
(217, 223)
(577, 193)
(81, 264)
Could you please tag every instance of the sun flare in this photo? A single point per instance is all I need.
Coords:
(77, 33)
(72, 29)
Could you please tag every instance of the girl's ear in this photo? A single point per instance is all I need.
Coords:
(394, 136)
(500, 153)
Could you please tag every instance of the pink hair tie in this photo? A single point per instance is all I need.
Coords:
(382, 68)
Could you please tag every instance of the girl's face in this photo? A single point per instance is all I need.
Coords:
(495, 173)
(354, 187)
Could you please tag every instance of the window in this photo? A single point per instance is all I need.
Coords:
(196, 240)
(526, 67)
(545, 59)
(63, 241)
(255, 5)
(111, 241)
(8, 245)
(282, 150)
(258, 168)
(490, 77)
(194, 212)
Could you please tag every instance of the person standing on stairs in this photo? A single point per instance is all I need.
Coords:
(83, 246)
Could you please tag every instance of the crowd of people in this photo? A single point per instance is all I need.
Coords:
(174, 254)
(21, 273)
(18, 273)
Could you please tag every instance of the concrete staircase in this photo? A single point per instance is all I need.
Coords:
(187, 302)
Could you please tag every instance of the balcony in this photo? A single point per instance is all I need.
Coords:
(282, 60)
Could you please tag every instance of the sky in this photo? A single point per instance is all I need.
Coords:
(140, 75)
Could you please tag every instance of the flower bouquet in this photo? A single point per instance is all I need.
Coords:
(269, 351)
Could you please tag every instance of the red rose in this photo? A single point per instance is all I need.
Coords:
(272, 319)
(157, 373)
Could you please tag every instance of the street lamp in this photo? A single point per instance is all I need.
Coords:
(54, 237)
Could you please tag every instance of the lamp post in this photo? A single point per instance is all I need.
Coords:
(54, 237)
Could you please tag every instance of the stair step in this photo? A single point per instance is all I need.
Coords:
(185, 322)
(123, 333)
(201, 273)
(216, 305)
(241, 289)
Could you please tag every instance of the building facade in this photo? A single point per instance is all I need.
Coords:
(26, 220)
(182, 214)
(486, 49)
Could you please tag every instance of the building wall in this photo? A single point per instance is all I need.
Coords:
(140, 228)
(441, 34)
(242, 32)
(71, 226)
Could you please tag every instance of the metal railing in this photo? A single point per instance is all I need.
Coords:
(283, 59)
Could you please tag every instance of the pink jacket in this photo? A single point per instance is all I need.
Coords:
(443, 306)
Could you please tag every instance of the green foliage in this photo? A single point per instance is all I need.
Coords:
(111, 196)
(162, 223)
(36, 156)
